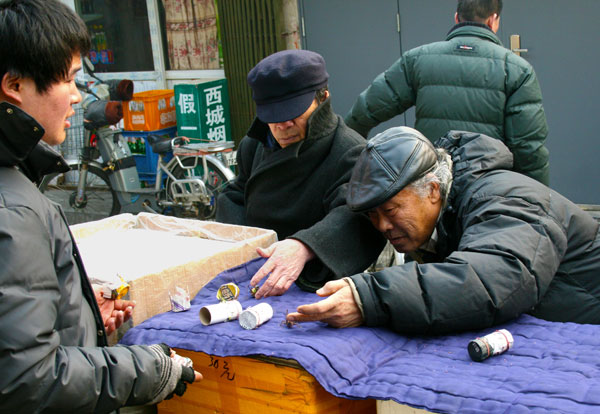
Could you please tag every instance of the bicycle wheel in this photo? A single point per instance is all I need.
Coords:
(100, 200)
(216, 181)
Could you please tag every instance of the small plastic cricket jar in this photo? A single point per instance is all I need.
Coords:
(255, 316)
(493, 344)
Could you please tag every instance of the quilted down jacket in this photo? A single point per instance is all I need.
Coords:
(53, 353)
(506, 245)
(468, 82)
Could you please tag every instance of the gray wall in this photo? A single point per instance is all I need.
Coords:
(359, 39)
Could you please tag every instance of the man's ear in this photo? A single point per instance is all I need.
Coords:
(434, 192)
(11, 88)
(493, 22)
(456, 18)
(326, 95)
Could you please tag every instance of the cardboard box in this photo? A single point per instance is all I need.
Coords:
(150, 111)
(155, 254)
(392, 407)
(245, 385)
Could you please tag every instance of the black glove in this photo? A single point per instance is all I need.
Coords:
(165, 348)
(187, 375)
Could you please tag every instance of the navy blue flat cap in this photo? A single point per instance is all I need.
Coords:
(284, 84)
(389, 162)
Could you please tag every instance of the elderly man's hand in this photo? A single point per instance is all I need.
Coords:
(114, 312)
(286, 261)
(338, 310)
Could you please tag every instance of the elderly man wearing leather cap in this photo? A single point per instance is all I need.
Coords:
(294, 166)
(487, 243)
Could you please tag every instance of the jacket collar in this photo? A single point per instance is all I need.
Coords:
(473, 155)
(473, 29)
(21, 145)
(320, 123)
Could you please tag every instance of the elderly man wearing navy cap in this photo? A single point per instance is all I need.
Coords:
(294, 166)
(486, 243)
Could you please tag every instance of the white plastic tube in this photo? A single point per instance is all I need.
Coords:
(255, 316)
(220, 312)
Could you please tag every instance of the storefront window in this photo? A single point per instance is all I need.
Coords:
(121, 41)
(192, 35)
(120, 34)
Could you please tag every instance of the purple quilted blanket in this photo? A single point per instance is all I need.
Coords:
(552, 367)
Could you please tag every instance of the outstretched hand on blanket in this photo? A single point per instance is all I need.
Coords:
(286, 261)
(339, 309)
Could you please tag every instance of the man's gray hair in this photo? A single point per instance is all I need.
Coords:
(441, 174)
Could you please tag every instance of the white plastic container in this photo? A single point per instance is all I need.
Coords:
(255, 316)
(492, 344)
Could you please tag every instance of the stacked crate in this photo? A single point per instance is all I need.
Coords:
(148, 113)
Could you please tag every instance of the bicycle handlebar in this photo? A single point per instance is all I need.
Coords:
(178, 141)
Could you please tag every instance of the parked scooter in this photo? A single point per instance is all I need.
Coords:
(104, 180)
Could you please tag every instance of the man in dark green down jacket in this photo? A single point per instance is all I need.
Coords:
(468, 82)
(294, 167)
(488, 244)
